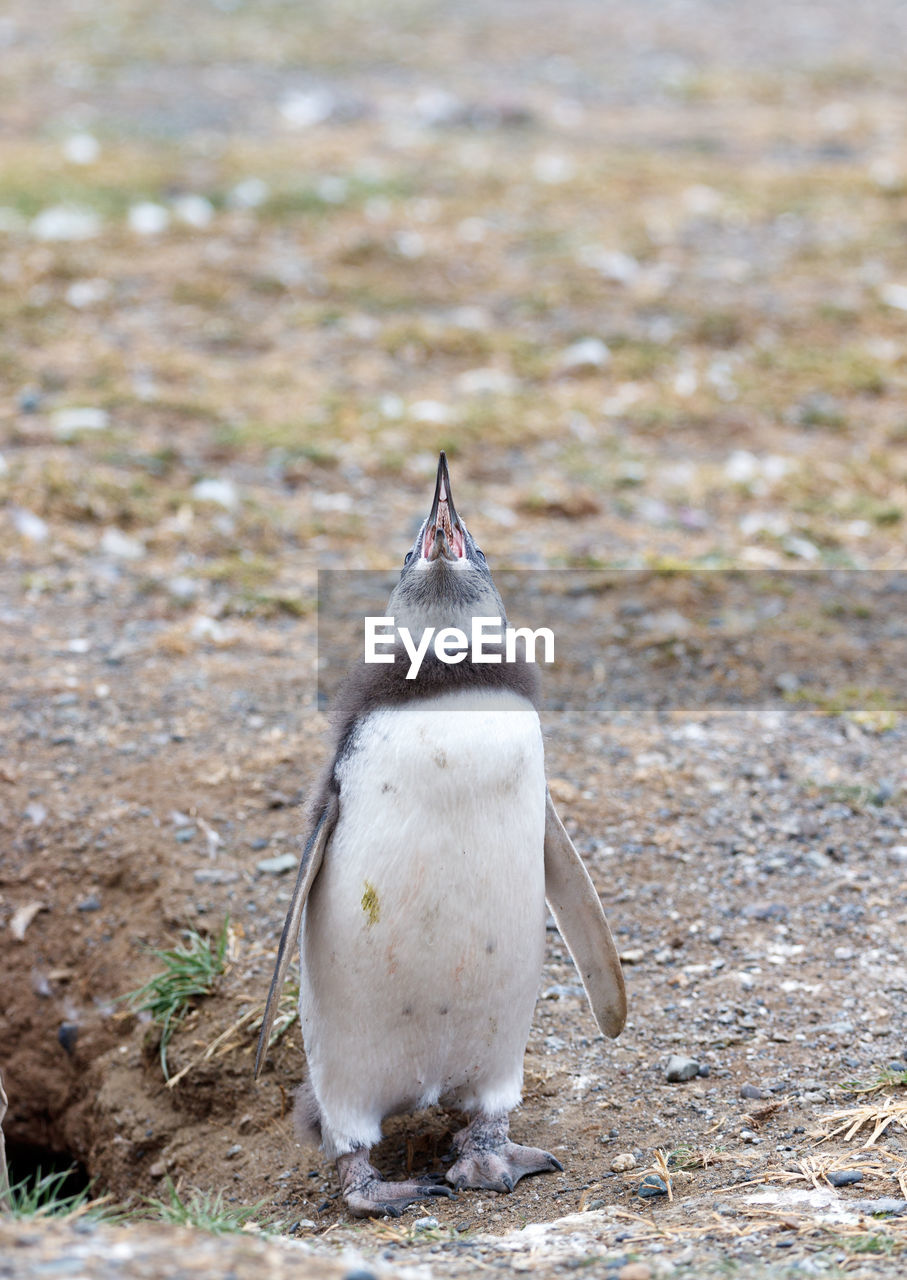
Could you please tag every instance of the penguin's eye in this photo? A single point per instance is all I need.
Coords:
(480, 553)
(407, 557)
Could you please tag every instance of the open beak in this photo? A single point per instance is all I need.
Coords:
(444, 533)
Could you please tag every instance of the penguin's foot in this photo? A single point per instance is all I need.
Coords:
(367, 1195)
(489, 1160)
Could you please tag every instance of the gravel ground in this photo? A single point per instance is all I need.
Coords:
(641, 271)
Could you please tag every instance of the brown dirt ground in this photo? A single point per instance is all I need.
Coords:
(726, 723)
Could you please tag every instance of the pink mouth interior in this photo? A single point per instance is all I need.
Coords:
(455, 539)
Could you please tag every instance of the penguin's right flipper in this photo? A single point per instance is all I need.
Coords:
(576, 907)
(309, 866)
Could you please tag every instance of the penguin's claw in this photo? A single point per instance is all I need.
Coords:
(487, 1159)
(501, 1169)
(367, 1195)
(378, 1197)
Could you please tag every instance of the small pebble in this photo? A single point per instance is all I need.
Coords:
(67, 1035)
(233, 1151)
(360, 1273)
(680, 1068)
(623, 1163)
(635, 1271)
(652, 1186)
(844, 1177)
(276, 866)
(425, 1224)
(752, 1091)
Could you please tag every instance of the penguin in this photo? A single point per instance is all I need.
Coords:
(419, 907)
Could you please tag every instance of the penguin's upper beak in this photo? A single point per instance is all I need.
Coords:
(444, 532)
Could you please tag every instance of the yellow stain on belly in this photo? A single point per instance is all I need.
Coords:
(370, 904)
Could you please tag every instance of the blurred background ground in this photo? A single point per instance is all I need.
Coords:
(642, 271)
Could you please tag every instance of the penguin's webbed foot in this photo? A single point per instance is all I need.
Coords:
(487, 1159)
(368, 1195)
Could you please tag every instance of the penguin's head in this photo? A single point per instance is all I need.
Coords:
(445, 579)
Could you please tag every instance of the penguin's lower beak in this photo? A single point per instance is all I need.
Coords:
(444, 534)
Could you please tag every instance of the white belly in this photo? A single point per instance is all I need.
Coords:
(423, 938)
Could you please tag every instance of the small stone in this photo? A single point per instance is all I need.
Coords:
(652, 1186)
(85, 293)
(67, 1035)
(233, 1151)
(119, 545)
(222, 492)
(748, 1135)
(81, 148)
(359, 1273)
(148, 218)
(278, 865)
(28, 525)
(813, 1095)
(487, 382)
(249, 193)
(623, 1163)
(680, 1068)
(635, 1271)
(585, 356)
(91, 903)
(194, 211)
(844, 1177)
(158, 1169)
(185, 834)
(425, 1224)
(563, 790)
(431, 411)
(894, 295)
(30, 400)
(884, 1204)
(215, 875)
(635, 955)
(65, 222)
(69, 422)
(704, 1070)
(752, 1091)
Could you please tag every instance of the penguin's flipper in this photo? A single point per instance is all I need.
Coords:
(576, 907)
(309, 866)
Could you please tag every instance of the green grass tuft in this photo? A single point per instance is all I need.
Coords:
(44, 1196)
(205, 1211)
(189, 971)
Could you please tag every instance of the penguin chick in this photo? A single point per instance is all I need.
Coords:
(419, 908)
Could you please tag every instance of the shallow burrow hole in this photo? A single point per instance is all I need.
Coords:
(29, 1166)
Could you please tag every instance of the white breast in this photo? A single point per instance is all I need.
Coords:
(423, 938)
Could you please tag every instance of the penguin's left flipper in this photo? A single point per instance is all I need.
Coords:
(309, 866)
(576, 907)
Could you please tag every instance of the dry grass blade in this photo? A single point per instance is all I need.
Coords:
(884, 1080)
(879, 1116)
(759, 1115)
(210, 1049)
(705, 1157)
